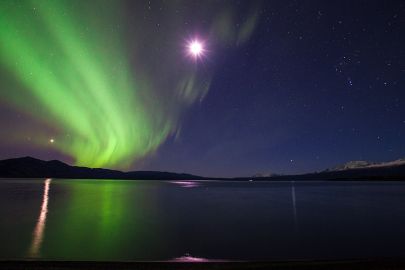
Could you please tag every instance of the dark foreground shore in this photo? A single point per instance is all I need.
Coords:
(330, 265)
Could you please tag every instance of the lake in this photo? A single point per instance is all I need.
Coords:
(114, 220)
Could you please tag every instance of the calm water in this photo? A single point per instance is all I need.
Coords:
(157, 220)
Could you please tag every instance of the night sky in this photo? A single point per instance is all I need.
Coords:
(278, 87)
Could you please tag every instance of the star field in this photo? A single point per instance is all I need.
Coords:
(319, 84)
(279, 87)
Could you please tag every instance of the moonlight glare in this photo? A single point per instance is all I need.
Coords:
(196, 48)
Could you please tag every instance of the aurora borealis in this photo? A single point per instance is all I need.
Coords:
(221, 131)
(93, 76)
(213, 88)
(77, 81)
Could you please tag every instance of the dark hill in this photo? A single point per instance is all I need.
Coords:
(28, 167)
(396, 172)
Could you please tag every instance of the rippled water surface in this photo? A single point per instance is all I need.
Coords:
(200, 221)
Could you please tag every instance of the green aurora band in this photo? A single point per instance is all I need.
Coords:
(104, 83)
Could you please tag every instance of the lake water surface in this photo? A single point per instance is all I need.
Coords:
(214, 220)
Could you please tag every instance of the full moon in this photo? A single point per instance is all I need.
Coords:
(196, 48)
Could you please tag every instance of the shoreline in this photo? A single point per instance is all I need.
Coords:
(347, 264)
